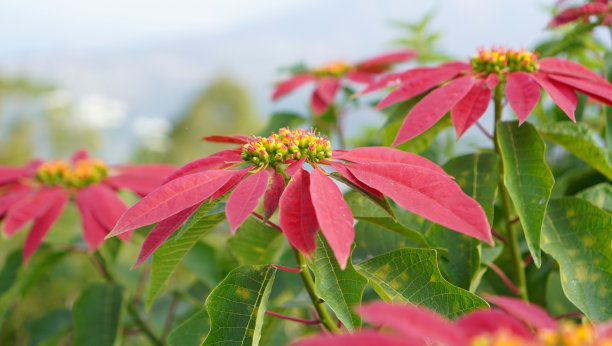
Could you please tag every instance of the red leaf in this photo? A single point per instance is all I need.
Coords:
(290, 84)
(81, 154)
(561, 94)
(523, 93)
(385, 81)
(161, 232)
(362, 338)
(386, 154)
(245, 198)
(29, 208)
(93, 231)
(467, 111)
(524, 311)
(273, 194)
(413, 322)
(295, 166)
(558, 66)
(297, 214)
(492, 80)
(105, 206)
(10, 175)
(217, 160)
(490, 321)
(417, 81)
(343, 170)
(571, 14)
(43, 224)
(140, 179)
(170, 199)
(237, 176)
(432, 107)
(333, 215)
(383, 62)
(434, 196)
(237, 139)
(601, 91)
(12, 196)
(324, 94)
(360, 77)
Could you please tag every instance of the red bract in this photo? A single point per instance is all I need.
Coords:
(310, 200)
(466, 89)
(329, 78)
(598, 8)
(413, 325)
(39, 191)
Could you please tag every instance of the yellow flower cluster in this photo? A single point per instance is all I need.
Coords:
(569, 334)
(287, 145)
(503, 61)
(334, 69)
(81, 174)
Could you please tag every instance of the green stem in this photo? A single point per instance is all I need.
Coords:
(506, 206)
(100, 265)
(319, 305)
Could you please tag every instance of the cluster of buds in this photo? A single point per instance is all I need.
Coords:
(334, 69)
(569, 334)
(505, 61)
(82, 173)
(287, 145)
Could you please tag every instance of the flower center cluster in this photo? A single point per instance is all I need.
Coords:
(504, 61)
(80, 174)
(569, 334)
(334, 69)
(287, 145)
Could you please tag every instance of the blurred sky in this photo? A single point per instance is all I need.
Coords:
(154, 56)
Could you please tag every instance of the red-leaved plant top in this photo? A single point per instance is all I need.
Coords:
(329, 78)
(307, 201)
(466, 89)
(517, 323)
(599, 9)
(39, 191)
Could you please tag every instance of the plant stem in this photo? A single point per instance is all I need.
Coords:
(319, 305)
(100, 265)
(506, 205)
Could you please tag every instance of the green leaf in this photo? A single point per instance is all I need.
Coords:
(48, 325)
(238, 305)
(381, 203)
(191, 332)
(556, 301)
(412, 275)
(8, 275)
(256, 243)
(96, 315)
(203, 260)
(280, 120)
(527, 177)
(341, 289)
(600, 195)
(167, 257)
(423, 141)
(478, 178)
(579, 140)
(577, 234)
(372, 240)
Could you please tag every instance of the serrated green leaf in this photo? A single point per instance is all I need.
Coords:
(48, 325)
(412, 275)
(96, 315)
(527, 177)
(256, 243)
(280, 120)
(167, 257)
(238, 305)
(600, 195)
(579, 140)
(191, 332)
(341, 289)
(577, 234)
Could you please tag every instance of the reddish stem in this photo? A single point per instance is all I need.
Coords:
(570, 314)
(486, 133)
(294, 319)
(504, 278)
(515, 220)
(528, 259)
(257, 215)
(287, 269)
(498, 235)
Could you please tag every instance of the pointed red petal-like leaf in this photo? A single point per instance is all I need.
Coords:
(414, 322)
(333, 215)
(434, 196)
(237, 176)
(93, 231)
(561, 94)
(558, 66)
(297, 215)
(324, 94)
(524, 311)
(362, 338)
(295, 166)
(491, 321)
(217, 160)
(601, 91)
(417, 81)
(105, 206)
(467, 111)
(10, 175)
(171, 198)
(43, 224)
(383, 62)
(273, 194)
(343, 170)
(492, 80)
(383, 82)
(245, 198)
(140, 179)
(523, 93)
(12, 196)
(386, 154)
(236, 139)
(161, 232)
(290, 84)
(81, 154)
(433, 107)
(360, 77)
(571, 14)
(29, 208)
